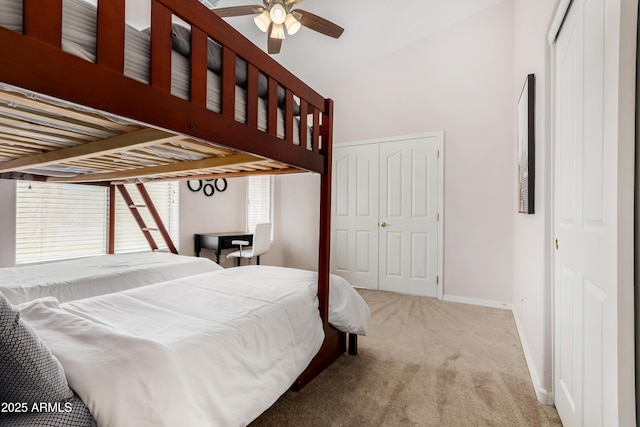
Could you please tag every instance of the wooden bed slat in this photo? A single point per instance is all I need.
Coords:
(315, 143)
(46, 130)
(103, 146)
(54, 121)
(35, 135)
(35, 145)
(110, 38)
(43, 20)
(252, 95)
(66, 113)
(288, 117)
(303, 124)
(201, 147)
(198, 86)
(228, 82)
(160, 46)
(272, 109)
(158, 170)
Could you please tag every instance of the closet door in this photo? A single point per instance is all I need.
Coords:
(593, 213)
(408, 216)
(386, 202)
(354, 252)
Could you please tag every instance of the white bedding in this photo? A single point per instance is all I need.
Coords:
(86, 277)
(79, 38)
(215, 349)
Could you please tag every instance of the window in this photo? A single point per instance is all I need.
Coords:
(57, 221)
(259, 201)
(60, 221)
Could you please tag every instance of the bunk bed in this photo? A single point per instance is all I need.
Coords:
(76, 112)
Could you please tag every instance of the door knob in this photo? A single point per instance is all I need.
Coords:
(383, 224)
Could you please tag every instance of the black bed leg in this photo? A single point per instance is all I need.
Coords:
(353, 344)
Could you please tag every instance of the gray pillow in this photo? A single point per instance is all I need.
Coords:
(181, 43)
(28, 371)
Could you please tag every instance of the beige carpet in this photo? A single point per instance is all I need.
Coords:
(423, 363)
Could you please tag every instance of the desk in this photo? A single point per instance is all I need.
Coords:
(219, 241)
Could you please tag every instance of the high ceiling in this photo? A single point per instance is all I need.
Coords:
(373, 29)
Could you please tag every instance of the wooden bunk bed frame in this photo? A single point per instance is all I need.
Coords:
(119, 151)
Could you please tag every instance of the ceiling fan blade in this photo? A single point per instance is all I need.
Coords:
(318, 24)
(292, 2)
(227, 12)
(274, 45)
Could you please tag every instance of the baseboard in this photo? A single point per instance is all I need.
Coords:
(481, 302)
(544, 396)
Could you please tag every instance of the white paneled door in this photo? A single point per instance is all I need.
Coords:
(386, 201)
(593, 198)
(408, 217)
(354, 253)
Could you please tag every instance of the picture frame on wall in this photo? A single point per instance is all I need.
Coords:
(526, 147)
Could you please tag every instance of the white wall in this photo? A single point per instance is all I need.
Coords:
(297, 220)
(532, 233)
(7, 223)
(459, 80)
(222, 212)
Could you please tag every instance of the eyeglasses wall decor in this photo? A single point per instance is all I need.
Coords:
(208, 188)
(526, 147)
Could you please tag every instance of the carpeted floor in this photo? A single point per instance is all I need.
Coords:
(423, 363)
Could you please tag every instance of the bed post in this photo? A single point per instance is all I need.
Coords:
(324, 267)
(334, 344)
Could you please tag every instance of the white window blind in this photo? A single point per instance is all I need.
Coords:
(259, 200)
(128, 237)
(58, 221)
(61, 221)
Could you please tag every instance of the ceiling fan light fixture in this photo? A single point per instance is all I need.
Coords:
(278, 13)
(263, 21)
(277, 31)
(292, 24)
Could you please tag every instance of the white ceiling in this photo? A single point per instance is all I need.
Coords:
(373, 29)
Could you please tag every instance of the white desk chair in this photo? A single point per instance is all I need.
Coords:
(261, 244)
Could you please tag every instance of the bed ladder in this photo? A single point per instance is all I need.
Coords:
(134, 209)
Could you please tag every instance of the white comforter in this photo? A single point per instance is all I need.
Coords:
(215, 349)
(81, 278)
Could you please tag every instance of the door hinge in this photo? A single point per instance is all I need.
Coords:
(437, 280)
(438, 216)
(438, 153)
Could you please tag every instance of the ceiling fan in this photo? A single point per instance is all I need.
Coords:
(276, 15)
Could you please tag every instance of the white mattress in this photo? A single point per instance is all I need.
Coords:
(86, 277)
(215, 349)
(79, 38)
